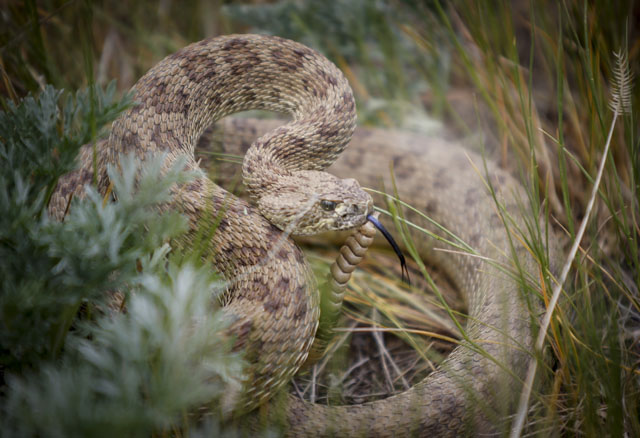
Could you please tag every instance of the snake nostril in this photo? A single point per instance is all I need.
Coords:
(349, 211)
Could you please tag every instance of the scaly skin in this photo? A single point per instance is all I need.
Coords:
(272, 296)
(473, 391)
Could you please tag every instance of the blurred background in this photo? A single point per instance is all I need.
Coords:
(527, 82)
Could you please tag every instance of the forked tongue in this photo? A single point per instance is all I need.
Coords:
(394, 245)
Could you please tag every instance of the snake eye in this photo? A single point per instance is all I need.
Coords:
(328, 205)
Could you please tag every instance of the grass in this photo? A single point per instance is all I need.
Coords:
(530, 82)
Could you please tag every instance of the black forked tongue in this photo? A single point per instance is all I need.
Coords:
(394, 245)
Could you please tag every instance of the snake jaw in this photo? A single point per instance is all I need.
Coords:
(310, 202)
(253, 67)
(350, 214)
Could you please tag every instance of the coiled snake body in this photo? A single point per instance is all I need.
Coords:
(272, 296)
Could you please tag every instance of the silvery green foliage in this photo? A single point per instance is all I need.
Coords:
(98, 244)
(39, 140)
(140, 371)
(70, 366)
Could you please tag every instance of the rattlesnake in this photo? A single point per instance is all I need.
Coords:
(272, 295)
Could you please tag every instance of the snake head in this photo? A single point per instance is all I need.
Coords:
(310, 202)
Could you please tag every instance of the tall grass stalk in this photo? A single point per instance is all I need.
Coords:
(529, 75)
(620, 103)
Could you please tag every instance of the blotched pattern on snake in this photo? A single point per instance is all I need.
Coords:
(272, 295)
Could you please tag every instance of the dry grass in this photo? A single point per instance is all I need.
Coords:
(535, 78)
(390, 336)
